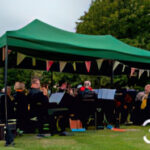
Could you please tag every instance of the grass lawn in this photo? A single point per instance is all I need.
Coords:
(105, 139)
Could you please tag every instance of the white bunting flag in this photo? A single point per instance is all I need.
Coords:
(141, 71)
(115, 65)
(123, 68)
(148, 73)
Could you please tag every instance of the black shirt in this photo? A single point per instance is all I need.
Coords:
(38, 102)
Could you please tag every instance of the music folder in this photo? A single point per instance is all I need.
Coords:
(56, 97)
(106, 94)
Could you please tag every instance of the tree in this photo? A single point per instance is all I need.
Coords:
(16, 75)
(127, 20)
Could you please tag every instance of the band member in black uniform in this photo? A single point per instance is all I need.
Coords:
(21, 105)
(39, 106)
(10, 106)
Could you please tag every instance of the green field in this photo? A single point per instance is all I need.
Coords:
(105, 139)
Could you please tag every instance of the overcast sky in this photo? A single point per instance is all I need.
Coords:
(63, 14)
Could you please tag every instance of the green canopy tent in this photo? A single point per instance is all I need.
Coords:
(41, 40)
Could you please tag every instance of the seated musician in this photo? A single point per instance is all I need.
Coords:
(66, 87)
(39, 106)
(86, 88)
(44, 89)
(86, 103)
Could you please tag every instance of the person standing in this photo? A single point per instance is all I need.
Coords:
(10, 106)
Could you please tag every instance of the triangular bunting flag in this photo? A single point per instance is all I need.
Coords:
(9, 51)
(99, 63)
(88, 65)
(123, 68)
(20, 58)
(132, 71)
(33, 61)
(148, 73)
(62, 65)
(3, 55)
(49, 64)
(74, 66)
(140, 72)
(115, 65)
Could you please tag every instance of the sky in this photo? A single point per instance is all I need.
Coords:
(15, 14)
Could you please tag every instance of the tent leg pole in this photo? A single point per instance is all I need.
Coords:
(51, 81)
(8, 136)
(112, 74)
(5, 79)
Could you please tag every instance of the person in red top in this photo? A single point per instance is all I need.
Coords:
(86, 103)
(86, 87)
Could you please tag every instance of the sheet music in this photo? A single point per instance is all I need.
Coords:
(56, 97)
(96, 90)
(111, 94)
(107, 94)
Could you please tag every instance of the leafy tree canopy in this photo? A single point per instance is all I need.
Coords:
(127, 20)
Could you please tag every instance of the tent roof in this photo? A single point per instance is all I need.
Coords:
(44, 41)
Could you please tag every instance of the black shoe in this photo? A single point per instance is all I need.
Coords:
(40, 136)
(10, 144)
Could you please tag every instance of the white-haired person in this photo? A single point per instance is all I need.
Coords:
(85, 88)
(86, 103)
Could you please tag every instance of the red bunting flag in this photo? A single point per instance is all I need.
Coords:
(3, 58)
(3, 55)
(9, 51)
(49, 63)
(88, 65)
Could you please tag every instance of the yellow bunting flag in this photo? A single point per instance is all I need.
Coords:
(20, 58)
(33, 61)
(148, 73)
(74, 66)
(62, 65)
(99, 63)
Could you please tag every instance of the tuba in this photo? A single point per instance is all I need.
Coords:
(144, 101)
